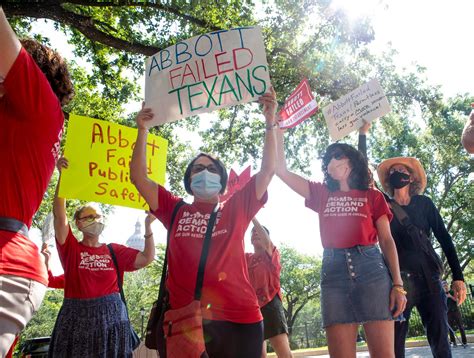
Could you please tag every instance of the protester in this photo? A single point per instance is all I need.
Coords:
(404, 180)
(53, 281)
(232, 318)
(93, 320)
(467, 138)
(35, 86)
(355, 283)
(454, 317)
(264, 273)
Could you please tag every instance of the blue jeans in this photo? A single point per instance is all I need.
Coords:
(433, 312)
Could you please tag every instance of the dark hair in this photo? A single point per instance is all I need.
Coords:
(219, 165)
(54, 68)
(359, 176)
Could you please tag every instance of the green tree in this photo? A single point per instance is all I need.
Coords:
(300, 276)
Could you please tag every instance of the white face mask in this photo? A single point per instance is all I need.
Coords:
(205, 184)
(94, 228)
(339, 169)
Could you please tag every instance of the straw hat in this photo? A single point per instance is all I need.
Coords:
(417, 172)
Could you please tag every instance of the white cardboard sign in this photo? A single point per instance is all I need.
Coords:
(349, 112)
(206, 72)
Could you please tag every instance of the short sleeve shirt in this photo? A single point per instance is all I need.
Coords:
(347, 219)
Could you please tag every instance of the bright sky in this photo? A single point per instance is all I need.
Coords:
(432, 33)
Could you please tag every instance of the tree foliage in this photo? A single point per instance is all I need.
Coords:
(109, 40)
(300, 277)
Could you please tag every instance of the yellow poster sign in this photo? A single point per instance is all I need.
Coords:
(99, 154)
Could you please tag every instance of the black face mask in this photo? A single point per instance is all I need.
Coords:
(399, 180)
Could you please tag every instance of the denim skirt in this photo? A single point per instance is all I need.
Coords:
(95, 328)
(355, 286)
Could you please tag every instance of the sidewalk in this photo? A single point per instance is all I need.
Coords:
(415, 349)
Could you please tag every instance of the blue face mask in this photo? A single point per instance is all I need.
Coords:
(205, 184)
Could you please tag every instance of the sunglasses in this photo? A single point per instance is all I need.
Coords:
(338, 155)
(196, 168)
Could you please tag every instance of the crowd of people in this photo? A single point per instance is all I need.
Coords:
(378, 261)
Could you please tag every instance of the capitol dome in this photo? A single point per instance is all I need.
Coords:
(136, 241)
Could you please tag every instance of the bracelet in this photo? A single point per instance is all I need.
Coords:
(399, 289)
(395, 285)
(148, 236)
(269, 127)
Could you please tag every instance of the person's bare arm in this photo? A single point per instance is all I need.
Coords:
(267, 169)
(265, 238)
(61, 224)
(294, 181)
(9, 45)
(145, 257)
(138, 169)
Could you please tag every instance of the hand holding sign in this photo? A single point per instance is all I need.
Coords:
(268, 100)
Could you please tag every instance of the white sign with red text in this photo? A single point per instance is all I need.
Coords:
(300, 105)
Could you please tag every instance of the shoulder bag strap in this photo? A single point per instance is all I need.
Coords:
(164, 269)
(204, 253)
(119, 282)
(401, 214)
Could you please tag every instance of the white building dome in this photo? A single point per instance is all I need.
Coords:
(136, 241)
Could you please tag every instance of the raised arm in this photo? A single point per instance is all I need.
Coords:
(362, 144)
(138, 169)
(9, 45)
(148, 254)
(61, 224)
(264, 237)
(294, 181)
(267, 169)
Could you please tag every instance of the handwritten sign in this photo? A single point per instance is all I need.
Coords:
(349, 112)
(99, 154)
(300, 105)
(236, 182)
(206, 72)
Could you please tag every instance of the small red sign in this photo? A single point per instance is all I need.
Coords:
(300, 105)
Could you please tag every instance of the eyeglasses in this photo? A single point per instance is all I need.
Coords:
(90, 218)
(196, 168)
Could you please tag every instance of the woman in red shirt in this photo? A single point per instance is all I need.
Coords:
(356, 287)
(93, 320)
(34, 85)
(264, 273)
(232, 319)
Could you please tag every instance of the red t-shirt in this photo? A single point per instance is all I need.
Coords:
(347, 219)
(264, 274)
(31, 126)
(55, 281)
(89, 272)
(226, 294)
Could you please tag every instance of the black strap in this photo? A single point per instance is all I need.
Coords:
(161, 290)
(401, 214)
(119, 281)
(204, 253)
(13, 225)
